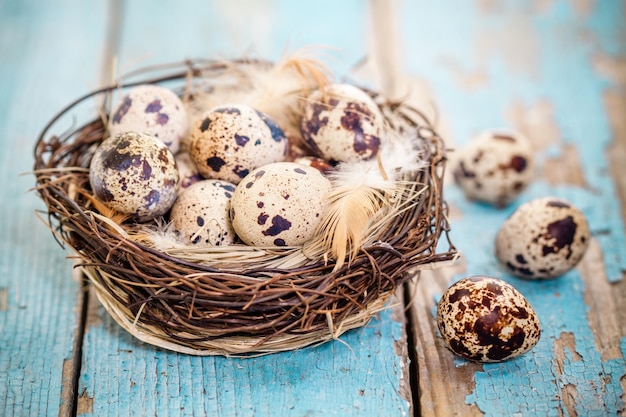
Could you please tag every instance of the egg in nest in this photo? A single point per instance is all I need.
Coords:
(134, 173)
(543, 238)
(200, 215)
(279, 204)
(229, 141)
(187, 171)
(486, 319)
(154, 110)
(342, 123)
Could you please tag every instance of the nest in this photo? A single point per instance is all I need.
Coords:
(236, 300)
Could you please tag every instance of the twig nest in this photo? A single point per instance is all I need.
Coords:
(200, 215)
(543, 238)
(487, 320)
(495, 167)
(322, 254)
(134, 173)
(154, 110)
(229, 141)
(279, 204)
(342, 123)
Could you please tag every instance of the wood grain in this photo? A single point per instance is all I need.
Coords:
(537, 77)
(44, 65)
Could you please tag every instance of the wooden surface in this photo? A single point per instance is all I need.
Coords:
(554, 69)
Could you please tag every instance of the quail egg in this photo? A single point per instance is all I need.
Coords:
(230, 141)
(543, 238)
(342, 123)
(200, 214)
(495, 167)
(487, 320)
(151, 109)
(134, 173)
(187, 171)
(279, 204)
(320, 164)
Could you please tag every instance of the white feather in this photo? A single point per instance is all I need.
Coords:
(273, 89)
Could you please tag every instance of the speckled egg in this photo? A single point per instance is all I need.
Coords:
(495, 166)
(486, 319)
(187, 171)
(279, 204)
(151, 109)
(134, 173)
(230, 141)
(200, 215)
(320, 164)
(342, 123)
(543, 238)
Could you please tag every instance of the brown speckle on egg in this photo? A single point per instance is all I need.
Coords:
(543, 238)
(486, 319)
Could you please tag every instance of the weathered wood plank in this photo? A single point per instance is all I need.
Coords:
(365, 373)
(534, 67)
(358, 376)
(50, 53)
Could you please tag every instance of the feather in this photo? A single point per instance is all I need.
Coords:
(276, 90)
(113, 215)
(361, 193)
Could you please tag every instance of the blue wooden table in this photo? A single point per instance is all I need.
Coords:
(555, 70)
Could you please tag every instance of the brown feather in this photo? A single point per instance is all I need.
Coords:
(114, 215)
(356, 199)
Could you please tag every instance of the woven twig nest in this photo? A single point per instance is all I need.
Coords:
(237, 300)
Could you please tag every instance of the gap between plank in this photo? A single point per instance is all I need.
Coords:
(385, 55)
(411, 340)
(72, 366)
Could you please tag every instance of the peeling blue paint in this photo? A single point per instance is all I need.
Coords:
(564, 76)
(363, 368)
(525, 384)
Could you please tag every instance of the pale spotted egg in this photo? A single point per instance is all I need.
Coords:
(187, 171)
(342, 123)
(229, 141)
(495, 166)
(154, 110)
(279, 204)
(543, 238)
(486, 319)
(200, 215)
(320, 164)
(134, 173)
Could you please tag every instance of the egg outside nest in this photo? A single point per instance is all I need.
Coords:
(543, 238)
(486, 319)
(495, 167)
